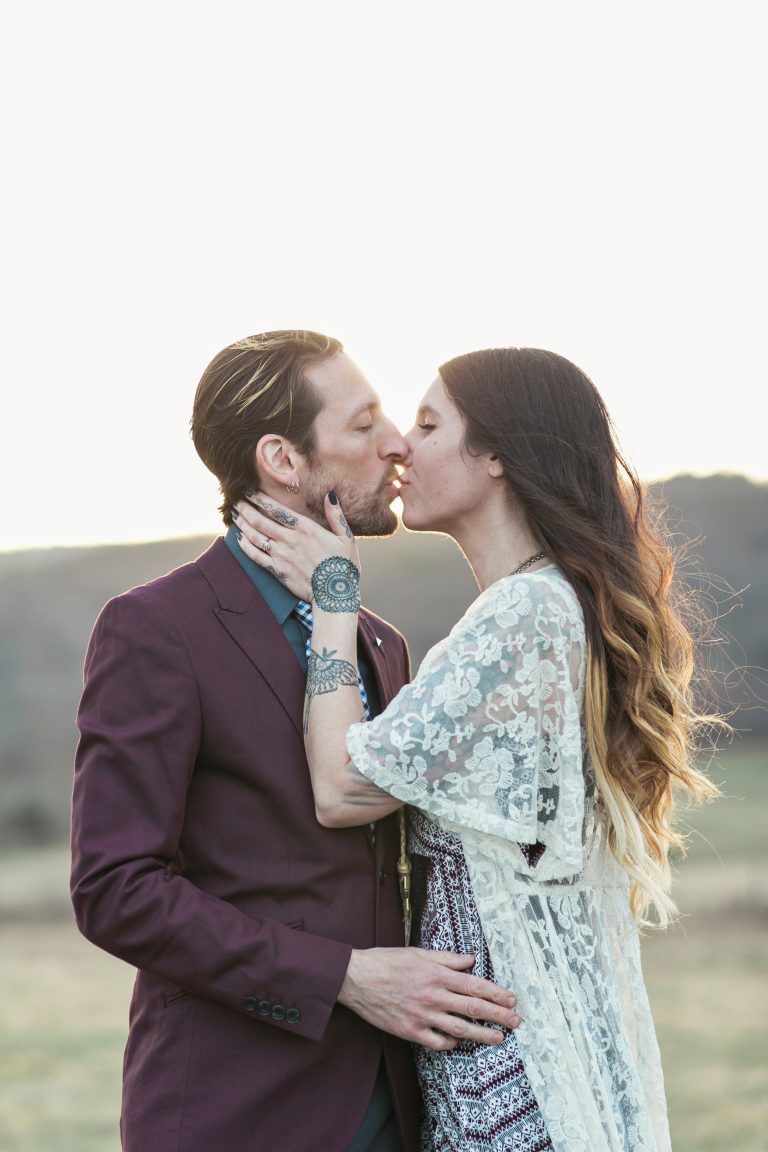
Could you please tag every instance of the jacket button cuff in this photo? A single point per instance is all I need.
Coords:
(250, 1003)
(292, 1016)
(278, 1012)
(264, 1007)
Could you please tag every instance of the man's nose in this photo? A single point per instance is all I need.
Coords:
(394, 444)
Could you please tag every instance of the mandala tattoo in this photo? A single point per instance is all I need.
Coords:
(279, 515)
(336, 585)
(326, 674)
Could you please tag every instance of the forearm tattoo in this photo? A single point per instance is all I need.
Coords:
(326, 674)
(336, 585)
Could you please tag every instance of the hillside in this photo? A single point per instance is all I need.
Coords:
(49, 600)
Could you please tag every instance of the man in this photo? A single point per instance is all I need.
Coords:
(271, 1006)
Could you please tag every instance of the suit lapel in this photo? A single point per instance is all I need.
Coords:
(378, 657)
(246, 616)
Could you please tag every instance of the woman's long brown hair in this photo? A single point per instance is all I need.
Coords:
(546, 422)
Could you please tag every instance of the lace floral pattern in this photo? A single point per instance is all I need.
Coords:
(488, 741)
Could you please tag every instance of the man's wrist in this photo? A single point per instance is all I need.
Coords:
(346, 994)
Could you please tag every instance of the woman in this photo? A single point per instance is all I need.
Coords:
(537, 748)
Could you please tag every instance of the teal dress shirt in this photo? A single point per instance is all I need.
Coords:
(281, 602)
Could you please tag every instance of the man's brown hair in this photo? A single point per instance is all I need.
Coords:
(254, 387)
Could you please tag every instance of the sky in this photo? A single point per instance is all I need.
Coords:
(417, 179)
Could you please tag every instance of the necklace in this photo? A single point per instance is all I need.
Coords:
(527, 563)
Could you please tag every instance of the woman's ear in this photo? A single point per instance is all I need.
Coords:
(276, 459)
(495, 467)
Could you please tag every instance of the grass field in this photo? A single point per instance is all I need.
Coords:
(64, 1004)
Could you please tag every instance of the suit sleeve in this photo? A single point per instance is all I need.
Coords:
(140, 728)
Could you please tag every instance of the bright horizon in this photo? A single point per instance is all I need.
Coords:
(581, 178)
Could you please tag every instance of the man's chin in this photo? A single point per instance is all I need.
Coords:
(381, 523)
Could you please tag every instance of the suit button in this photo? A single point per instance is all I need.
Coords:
(250, 1003)
(383, 876)
(264, 1007)
(292, 1016)
(278, 1012)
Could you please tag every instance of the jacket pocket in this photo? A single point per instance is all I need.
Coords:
(174, 995)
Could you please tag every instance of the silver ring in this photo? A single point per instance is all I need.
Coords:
(266, 545)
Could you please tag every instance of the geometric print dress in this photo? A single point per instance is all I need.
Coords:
(477, 1098)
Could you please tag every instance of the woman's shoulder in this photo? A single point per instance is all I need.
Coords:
(511, 612)
(513, 599)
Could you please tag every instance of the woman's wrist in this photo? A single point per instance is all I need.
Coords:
(336, 586)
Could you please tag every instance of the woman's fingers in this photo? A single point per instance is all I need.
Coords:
(273, 509)
(257, 523)
(336, 518)
(291, 546)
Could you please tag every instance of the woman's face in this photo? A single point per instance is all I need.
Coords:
(442, 484)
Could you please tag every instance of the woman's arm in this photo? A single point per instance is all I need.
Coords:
(324, 565)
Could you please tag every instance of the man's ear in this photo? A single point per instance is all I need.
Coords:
(276, 460)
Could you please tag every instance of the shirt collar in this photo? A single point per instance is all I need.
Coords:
(279, 598)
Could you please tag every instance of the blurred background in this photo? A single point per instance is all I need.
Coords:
(417, 179)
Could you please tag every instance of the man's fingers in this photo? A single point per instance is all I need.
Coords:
(484, 990)
(471, 986)
(437, 1041)
(493, 1013)
(457, 961)
(448, 1031)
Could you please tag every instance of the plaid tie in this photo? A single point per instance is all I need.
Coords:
(304, 613)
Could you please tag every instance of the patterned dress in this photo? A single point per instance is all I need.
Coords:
(476, 1097)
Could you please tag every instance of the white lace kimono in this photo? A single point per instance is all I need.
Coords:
(488, 741)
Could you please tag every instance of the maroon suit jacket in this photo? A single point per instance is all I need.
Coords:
(197, 858)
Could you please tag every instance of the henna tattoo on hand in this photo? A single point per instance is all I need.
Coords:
(326, 674)
(281, 576)
(279, 515)
(336, 585)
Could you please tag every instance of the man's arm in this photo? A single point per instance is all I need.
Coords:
(140, 723)
(140, 726)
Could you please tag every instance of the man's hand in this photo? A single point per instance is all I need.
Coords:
(426, 997)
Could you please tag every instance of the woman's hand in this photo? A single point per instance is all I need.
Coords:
(294, 548)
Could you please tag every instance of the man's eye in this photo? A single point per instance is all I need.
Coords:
(364, 428)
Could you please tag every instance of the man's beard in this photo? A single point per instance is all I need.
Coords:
(367, 513)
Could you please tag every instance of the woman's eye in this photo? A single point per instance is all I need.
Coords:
(426, 424)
